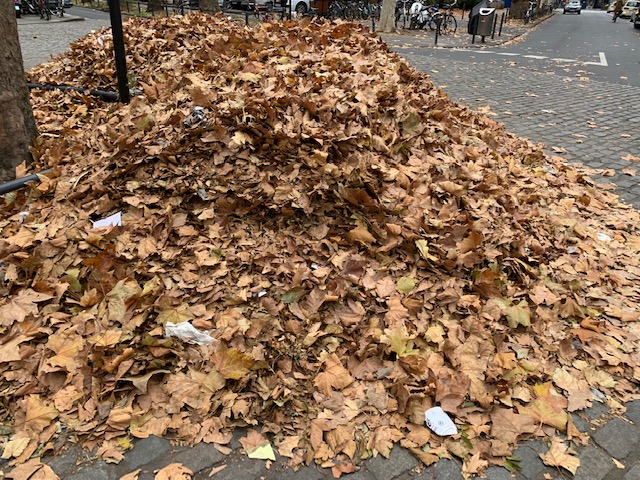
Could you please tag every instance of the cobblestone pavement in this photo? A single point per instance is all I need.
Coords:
(549, 111)
(579, 119)
(40, 41)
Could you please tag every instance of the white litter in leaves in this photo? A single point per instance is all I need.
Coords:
(187, 332)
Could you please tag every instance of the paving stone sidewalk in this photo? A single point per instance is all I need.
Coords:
(612, 454)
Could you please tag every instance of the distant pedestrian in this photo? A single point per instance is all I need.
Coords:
(617, 10)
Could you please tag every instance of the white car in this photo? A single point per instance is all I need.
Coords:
(300, 7)
(629, 8)
(574, 6)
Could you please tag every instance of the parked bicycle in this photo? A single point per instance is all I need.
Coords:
(178, 6)
(58, 8)
(43, 9)
(446, 19)
(403, 17)
(350, 9)
(264, 13)
(530, 13)
(421, 15)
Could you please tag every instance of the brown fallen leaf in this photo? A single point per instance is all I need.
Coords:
(218, 469)
(131, 475)
(559, 455)
(174, 471)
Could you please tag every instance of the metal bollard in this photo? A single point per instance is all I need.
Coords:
(504, 15)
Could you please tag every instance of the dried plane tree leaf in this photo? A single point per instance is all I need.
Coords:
(174, 471)
(360, 248)
(559, 455)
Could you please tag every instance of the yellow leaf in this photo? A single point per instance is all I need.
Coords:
(423, 248)
(399, 341)
(262, 452)
(232, 363)
(406, 284)
(548, 407)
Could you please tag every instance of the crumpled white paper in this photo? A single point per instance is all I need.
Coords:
(187, 332)
(438, 421)
(114, 220)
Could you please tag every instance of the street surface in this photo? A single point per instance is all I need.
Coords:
(569, 82)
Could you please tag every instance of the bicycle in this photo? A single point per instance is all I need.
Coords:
(43, 9)
(402, 13)
(264, 13)
(446, 19)
(58, 9)
(529, 14)
(178, 6)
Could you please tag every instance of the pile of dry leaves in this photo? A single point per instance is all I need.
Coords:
(357, 247)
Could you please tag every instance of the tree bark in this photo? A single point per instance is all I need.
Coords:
(387, 23)
(17, 125)
(209, 6)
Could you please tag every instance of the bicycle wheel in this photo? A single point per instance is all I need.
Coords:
(433, 23)
(450, 23)
(335, 11)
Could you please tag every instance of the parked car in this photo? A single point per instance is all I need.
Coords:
(635, 18)
(629, 7)
(299, 6)
(611, 7)
(54, 3)
(574, 6)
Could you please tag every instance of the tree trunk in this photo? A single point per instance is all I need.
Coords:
(17, 125)
(387, 23)
(209, 6)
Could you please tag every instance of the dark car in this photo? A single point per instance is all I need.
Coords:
(54, 3)
(635, 18)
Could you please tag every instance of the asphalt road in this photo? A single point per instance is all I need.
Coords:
(90, 13)
(589, 45)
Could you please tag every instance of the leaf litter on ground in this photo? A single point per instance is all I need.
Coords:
(359, 248)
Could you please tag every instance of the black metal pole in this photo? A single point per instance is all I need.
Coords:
(501, 23)
(21, 182)
(106, 96)
(118, 50)
(493, 27)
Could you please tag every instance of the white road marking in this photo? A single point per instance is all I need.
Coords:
(601, 63)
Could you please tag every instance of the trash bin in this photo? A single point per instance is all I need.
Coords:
(484, 25)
